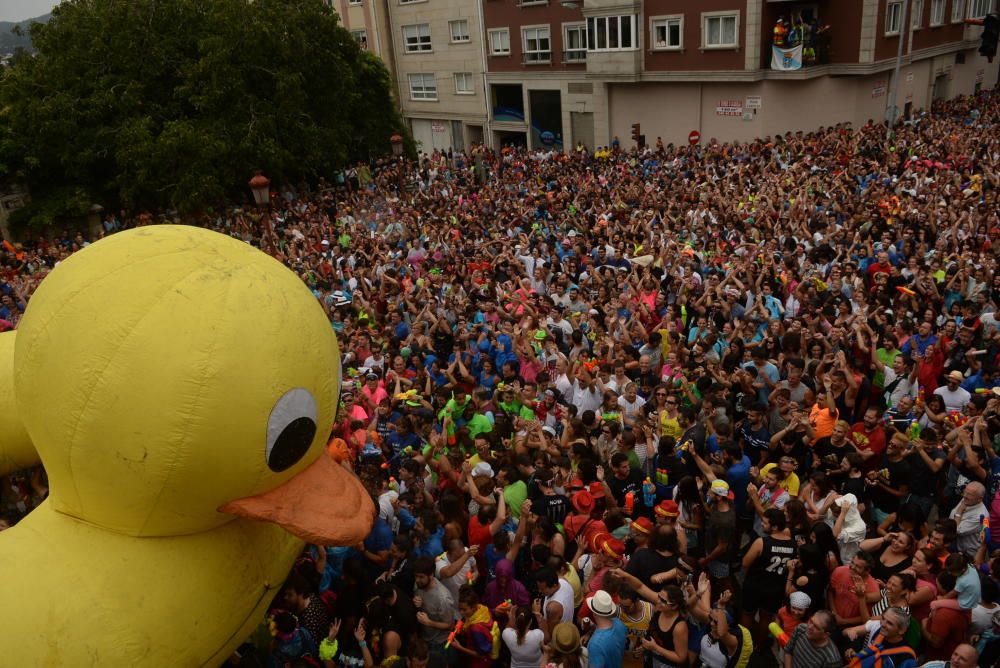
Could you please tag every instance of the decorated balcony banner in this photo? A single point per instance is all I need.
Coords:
(786, 59)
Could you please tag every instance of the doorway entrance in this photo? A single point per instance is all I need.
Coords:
(582, 125)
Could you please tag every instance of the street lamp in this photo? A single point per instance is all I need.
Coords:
(260, 186)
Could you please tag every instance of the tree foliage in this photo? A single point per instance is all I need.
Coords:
(173, 103)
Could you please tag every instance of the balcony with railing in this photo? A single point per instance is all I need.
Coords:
(536, 58)
(794, 35)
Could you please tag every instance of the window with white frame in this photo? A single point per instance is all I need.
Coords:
(720, 31)
(937, 12)
(916, 13)
(499, 42)
(893, 16)
(361, 37)
(353, 3)
(667, 32)
(575, 42)
(612, 33)
(417, 38)
(463, 83)
(410, 2)
(423, 87)
(979, 8)
(957, 11)
(536, 44)
(459, 30)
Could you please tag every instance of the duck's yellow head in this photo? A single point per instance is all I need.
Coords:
(168, 371)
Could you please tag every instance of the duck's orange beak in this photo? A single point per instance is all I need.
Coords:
(325, 504)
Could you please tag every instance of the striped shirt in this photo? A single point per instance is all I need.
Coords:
(882, 605)
(806, 655)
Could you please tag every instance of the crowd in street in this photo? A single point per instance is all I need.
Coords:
(677, 406)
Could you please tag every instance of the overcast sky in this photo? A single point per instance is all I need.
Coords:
(18, 10)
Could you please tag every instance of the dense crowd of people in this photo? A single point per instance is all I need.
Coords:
(684, 405)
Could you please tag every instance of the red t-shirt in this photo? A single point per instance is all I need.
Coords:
(873, 441)
(788, 620)
(951, 626)
(876, 268)
(479, 534)
(845, 601)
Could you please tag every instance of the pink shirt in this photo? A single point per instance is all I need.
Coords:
(375, 396)
(358, 413)
(530, 370)
(923, 611)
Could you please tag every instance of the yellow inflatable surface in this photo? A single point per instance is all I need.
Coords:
(16, 451)
(178, 386)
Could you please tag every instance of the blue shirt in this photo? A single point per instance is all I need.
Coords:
(432, 547)
(976, 382)
(379, 540)
(771, 372)
(921, 344)
(696, 333)
(738, 477)
(607, 646)
(754, 442)
(968, 588)
(399, 441)
(335, 557)
(506, 352)
(773, 307)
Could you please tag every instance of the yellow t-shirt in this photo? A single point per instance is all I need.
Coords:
(670, 426)
(664, 343)
(573, 578)
(636, 628)
(789, 484)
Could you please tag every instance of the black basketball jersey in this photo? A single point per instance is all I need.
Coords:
(770, 569)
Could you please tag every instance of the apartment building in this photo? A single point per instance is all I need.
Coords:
(563, 71)
(438, 49)
(552, 73)
(367, 21)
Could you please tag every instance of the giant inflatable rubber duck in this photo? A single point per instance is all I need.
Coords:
(178, 386)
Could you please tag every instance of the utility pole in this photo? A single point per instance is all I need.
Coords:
(892, 108)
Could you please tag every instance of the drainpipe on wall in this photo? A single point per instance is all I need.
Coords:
(487, 133)
(395, 60)
(909, 34)
(892, 108)
(378, 38)
(701, 103)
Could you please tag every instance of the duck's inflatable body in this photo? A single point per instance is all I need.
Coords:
(178, 386)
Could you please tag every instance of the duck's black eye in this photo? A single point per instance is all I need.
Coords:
(290, 429)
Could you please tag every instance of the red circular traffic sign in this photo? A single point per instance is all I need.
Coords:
(694, 137)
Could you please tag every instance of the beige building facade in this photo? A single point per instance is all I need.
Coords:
(367, 21)
(681, 69)
(554, 73)
(438, 50)
(744, 110)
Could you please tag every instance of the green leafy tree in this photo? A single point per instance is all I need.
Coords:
(172, 103)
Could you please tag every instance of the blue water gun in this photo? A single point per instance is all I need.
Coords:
(648, 493)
